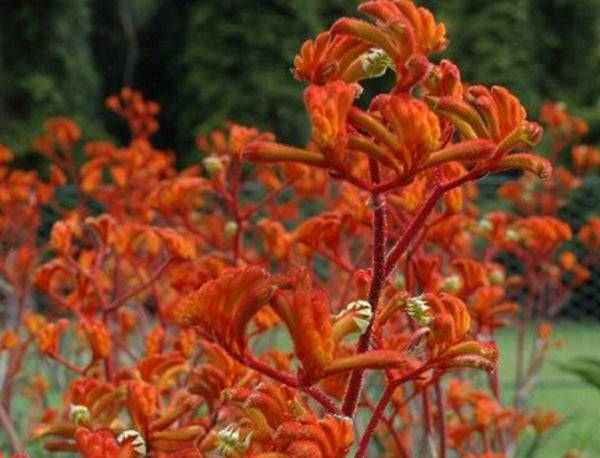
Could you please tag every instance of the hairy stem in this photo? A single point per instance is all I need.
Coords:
(378, 266)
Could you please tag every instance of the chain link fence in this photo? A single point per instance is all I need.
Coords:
(583, 302)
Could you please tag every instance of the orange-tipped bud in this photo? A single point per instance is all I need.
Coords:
(536, 164)
(270, 152)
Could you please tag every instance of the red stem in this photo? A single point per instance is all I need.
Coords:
(380, 409)
(441, 408)
(379, 247)
(417, 222)
(270, 198)
(235, 207)
(426, 420)
(119, 301)
(289, 380)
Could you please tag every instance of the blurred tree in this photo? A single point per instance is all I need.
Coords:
(495, 43)
(568, 44)
(118, 49)
(251, 46)
(47, 67)
(206, 62)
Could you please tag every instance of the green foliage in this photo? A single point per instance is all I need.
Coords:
(47, 67)
(495, 43)
(251, 45)
(586, 368)
(206, 62)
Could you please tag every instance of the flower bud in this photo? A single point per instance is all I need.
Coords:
(451, 284)
(486, 225)
(399, 282)
(212, 165)
(512, 236)
(79, 413)
(375, 62)
(417, 308)
(229, 440)
(231, 228)
(497, 277)
(139, 445)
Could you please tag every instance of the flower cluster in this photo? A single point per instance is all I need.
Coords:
(291, 301)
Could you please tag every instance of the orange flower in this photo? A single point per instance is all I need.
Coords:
(561, 122)
(59, 131)
(325, 229)
(444, 80)
(279, 421)
(232, 143)
(541, 234)
(328, 107)
(104, 226)
(141, 114)
(98, 336)
(585, 158)
(160, 369)
(415, 130)
(9, 340)
(217, 374)
(448, 322)
(308, 319)
(472, 273)
(6, 155)
(155, 340)
(404, 33)
(127, 320)
(49, 335)
(141, 403)
(567, 260)
(100, 444)
(330, 437)
(498, 116)
(277, 241)
(589, 234)
(180, 194)
(178, 247)
(545, 421)
(222, 308)
(410, 197)
(487, 305)
(544, 331)
(62, 235)
(329, 58)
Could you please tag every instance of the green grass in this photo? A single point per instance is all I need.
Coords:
(571, 397)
